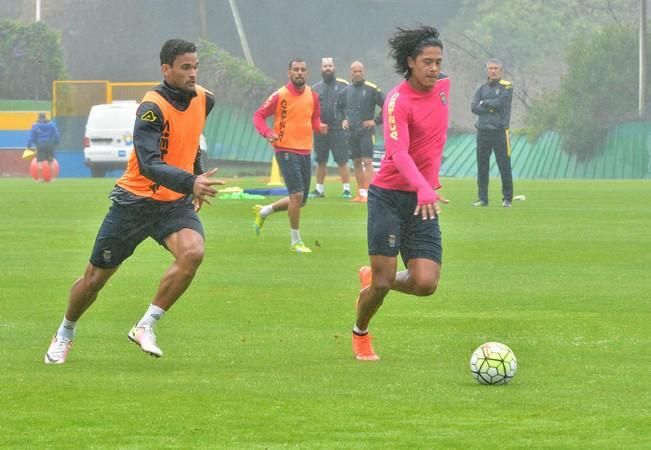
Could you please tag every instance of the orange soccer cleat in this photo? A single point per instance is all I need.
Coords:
(363, 349)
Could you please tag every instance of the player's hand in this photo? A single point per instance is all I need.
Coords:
(344, 124)
(427, 211)
(368, 124)
(203, 187)
(198, 203)
(273, 137)
(431, 208)
(323, 128)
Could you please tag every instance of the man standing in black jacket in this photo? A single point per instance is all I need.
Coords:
(356, 105)
(492, 105)
(328, 91)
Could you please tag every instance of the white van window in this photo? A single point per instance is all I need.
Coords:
(111, 118)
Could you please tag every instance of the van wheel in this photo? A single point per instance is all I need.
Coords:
(97, 172)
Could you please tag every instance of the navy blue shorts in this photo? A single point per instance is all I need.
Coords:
(361, 144)
(392, 227)
(126, 226)
(296, 171)
(334, 141)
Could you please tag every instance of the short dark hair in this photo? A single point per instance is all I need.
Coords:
(293, 60)
(173, 48)
(409, 43)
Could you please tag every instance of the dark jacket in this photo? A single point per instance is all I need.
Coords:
(328, 93)
(44, 134)
(492, 104)
(357, 103)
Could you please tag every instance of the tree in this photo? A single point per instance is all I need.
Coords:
(32, 58)
(529, 36)
(599, 90)
(232, 79)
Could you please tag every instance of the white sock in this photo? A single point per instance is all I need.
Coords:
(363, 192)
(296, 236)
(153, 315)
(67, 328)
(359, 332)
(266, 211)
(320, 188)
(346, 187)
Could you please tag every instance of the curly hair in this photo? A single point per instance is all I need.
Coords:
(409, 43)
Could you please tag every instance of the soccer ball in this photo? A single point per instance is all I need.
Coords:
(493, 363)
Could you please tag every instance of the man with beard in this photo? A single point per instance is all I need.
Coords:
(296, 112)
(328, 90)
(356, 106)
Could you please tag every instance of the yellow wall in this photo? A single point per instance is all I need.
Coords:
(18, 120)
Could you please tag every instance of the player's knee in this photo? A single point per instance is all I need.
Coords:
(424, 288)
(298, 198)
(192, 257)
(93, 281)
(382, 284)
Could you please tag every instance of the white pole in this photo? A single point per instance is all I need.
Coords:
(642, 96)
(38, 10)
(240, 32)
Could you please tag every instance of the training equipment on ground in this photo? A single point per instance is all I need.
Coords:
(493, 363)
(42, 170)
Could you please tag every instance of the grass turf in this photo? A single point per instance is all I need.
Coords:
(257, 352)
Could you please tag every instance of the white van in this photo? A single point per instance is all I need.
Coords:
(108, 140)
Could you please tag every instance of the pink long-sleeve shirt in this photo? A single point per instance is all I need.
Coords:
(414, 122)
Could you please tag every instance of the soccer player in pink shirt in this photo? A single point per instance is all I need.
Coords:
(403, 206)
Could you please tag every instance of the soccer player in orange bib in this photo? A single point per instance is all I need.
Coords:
(158, 196)
(296, 112)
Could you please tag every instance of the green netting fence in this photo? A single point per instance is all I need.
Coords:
(626, 154)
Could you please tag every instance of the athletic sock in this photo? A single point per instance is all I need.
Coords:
(359, 332)
(296, 236)
(320, 188)
(67, 328)
(266, 211)
(153, 315)
(363, 192)
(346, 187)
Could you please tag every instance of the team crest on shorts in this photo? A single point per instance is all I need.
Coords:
(106, 256)
(392, 240)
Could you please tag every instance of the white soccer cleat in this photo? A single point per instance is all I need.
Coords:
(144, 336)
(58, 350)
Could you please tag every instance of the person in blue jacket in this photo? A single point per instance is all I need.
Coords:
(44, 136)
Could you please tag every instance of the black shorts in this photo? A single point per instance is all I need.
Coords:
(361, 144)
(44, 153)
(296, 170)
(392, 227)
(126, 226)
(334, 141)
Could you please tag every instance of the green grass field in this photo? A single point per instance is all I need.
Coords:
(257, 352)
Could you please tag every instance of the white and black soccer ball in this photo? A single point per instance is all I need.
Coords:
(493, 363)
